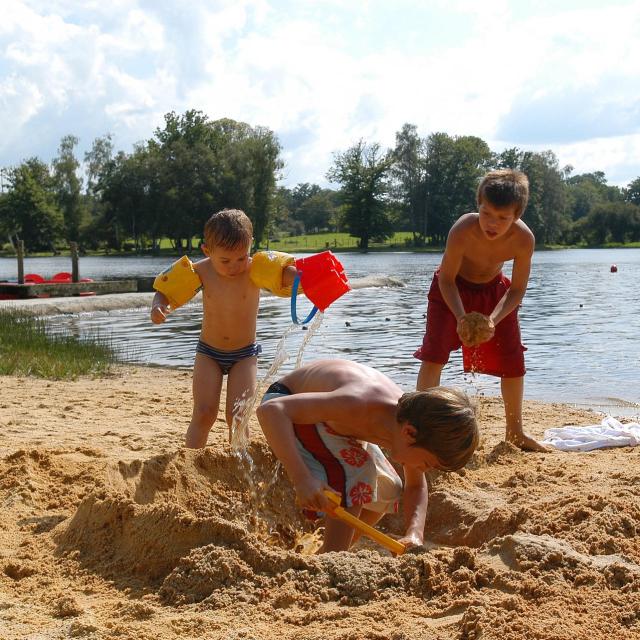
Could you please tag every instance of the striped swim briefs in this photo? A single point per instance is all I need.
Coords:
(226, 359)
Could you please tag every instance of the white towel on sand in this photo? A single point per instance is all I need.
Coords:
(609, 433)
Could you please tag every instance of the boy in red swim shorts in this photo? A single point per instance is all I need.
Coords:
(470, 282)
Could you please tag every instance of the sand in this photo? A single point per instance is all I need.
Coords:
(111, 530)
(475, 329)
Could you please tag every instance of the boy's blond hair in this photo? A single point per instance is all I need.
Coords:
(504, 188)
(228, 229)
(445, 420)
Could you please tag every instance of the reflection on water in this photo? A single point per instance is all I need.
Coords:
(579, 321)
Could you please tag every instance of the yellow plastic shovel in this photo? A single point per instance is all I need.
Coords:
(364, 528)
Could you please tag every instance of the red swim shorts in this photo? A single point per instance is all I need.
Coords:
(501, 356)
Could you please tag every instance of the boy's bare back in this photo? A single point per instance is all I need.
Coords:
(363, 400)
(230, 308)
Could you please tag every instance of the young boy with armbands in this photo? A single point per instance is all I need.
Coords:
(230, 281)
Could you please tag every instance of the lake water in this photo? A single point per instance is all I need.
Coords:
(580, 322)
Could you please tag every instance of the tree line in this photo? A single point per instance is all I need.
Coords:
(167, 187)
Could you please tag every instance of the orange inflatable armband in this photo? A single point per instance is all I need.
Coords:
(179, 282)
(266, 271)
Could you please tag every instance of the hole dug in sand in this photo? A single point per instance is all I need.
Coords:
(545, 554)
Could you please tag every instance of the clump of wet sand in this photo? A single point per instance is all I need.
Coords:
(475, 328)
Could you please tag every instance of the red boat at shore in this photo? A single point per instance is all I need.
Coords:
(30, 279)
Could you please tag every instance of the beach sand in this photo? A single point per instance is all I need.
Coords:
(110, 529)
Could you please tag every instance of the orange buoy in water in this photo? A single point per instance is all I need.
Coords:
(614, 268)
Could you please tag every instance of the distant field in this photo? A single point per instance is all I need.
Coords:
(335, 241)
(318, 241)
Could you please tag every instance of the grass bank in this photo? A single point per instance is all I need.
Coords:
(310, 243)
(28, 348)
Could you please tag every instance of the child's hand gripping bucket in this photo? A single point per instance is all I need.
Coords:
(323, 281)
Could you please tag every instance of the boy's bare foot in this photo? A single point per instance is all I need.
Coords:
(526, 443)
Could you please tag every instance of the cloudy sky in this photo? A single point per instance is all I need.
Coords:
(539, 74)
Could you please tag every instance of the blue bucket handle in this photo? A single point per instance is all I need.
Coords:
(294, 297)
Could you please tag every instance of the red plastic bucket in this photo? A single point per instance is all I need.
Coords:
(322, 278)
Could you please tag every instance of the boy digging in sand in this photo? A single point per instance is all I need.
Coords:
(230, 300)
(326, 422)
(471, 302)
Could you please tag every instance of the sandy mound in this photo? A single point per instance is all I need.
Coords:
(220, 576)
(470, 518)
(111, 530)
(151, 513)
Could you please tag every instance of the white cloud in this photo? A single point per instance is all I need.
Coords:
(617, 156)
(324, 74)
(20, 99)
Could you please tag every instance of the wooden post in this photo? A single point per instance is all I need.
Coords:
(20, 253)
(75, 268)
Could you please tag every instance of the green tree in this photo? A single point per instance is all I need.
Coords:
(213, 165)
(362, 171)
(454, 166)
(96, 161)
(408, 186)
(509, 159)
(608, 193)
(585, 193)
(301, 193)
(282, 221)
(190, 174)
(319, 211)
(470, 161)
(5, 215)
(632, 192)
(546, 212)
(612, 222)
(113, 188)
(311, 208)
(249, 162)
(192, 166)
(68, 186)
(596, 229)
(582, 197)
(438, 159)
(29, 209)
(265, 164)
(135, 205)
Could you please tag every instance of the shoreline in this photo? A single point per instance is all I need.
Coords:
(605, 405)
